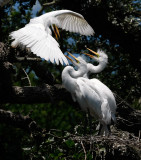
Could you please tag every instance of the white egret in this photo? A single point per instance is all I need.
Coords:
(75, 85)
(104, 92)
(92, 95)
(36, 35)
(4, 2)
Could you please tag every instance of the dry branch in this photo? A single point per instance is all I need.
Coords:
(121, 144)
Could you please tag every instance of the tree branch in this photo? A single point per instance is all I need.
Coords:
(26, 59)
(49, 3)
(41, 94)
(19, 121)
(120, 144)
(128, 119)
(44, 6)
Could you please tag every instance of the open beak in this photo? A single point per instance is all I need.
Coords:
(73, 57)
(69, 58)
(56, 31)
(93, 52)
(88, 55)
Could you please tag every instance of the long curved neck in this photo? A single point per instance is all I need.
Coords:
(69, 76)
(100, 67)
(95, 69)
(70, 73)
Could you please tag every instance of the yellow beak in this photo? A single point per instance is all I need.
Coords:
(56, 31)
(73, 57)
(69, 58)
(93, 52)
(88, 55)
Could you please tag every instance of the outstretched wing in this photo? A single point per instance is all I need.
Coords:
(91, 97)
(70, 21)
(74, 22)
(40, 42)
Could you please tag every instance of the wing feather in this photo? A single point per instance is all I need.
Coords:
(37, 36)
(92, 98)
(74, 23)
(40, 42)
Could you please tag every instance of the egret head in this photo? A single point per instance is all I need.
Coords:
(53, 22)
(102, 58)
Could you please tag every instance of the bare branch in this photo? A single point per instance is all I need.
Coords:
(49, 3)
(27, 77)
(84, 150)
(26, 59)
(44, 6)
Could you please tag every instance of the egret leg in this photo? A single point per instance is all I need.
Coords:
(100, 130)
(109, 129)
(104, 130)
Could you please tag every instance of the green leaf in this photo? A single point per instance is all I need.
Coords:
(70, 143)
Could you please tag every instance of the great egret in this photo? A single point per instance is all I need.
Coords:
(104, 92)
(80, 93)
(4, 2)
(91, 95)
(37, 35)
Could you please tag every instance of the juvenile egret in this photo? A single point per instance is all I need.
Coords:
(104, 92)
(77, 87)
(4, 2)
(91, 95)
(36, 35)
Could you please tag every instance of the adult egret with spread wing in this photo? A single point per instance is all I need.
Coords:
(36, 35)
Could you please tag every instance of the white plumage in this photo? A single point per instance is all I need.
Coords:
(91, 94)
(76, 86)
(4, 2)
(106, 95)
(37, 35)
